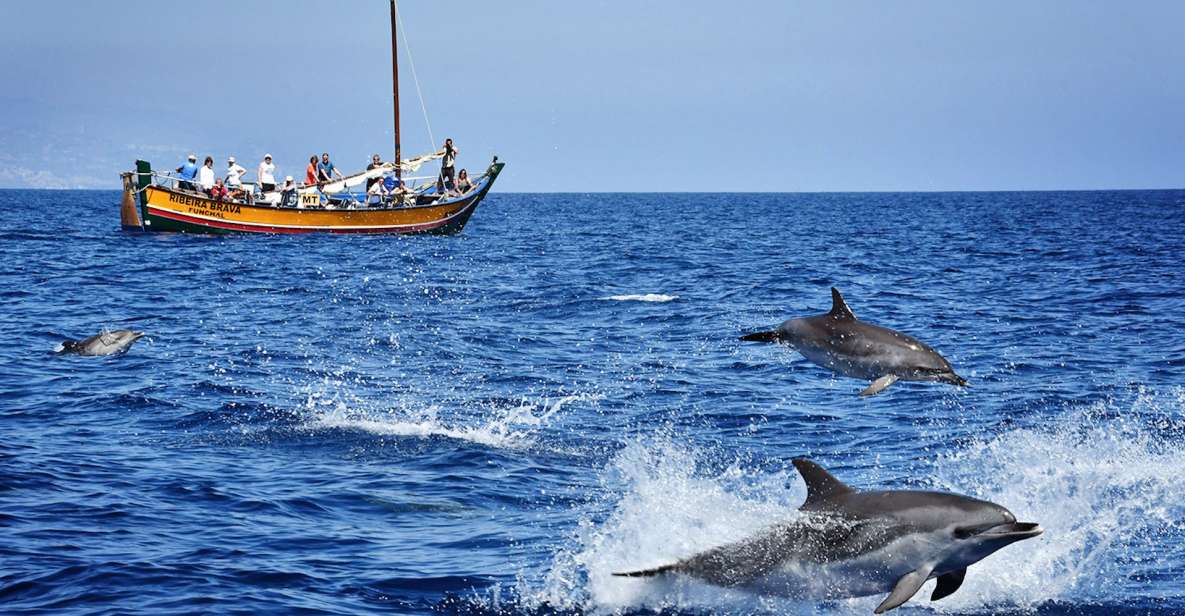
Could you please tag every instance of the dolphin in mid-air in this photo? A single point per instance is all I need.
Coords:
(846, 345)
(103, 343)
(854, 543)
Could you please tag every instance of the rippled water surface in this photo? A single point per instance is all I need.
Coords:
(491, 423)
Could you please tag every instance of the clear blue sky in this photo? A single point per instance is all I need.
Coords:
(662, 95)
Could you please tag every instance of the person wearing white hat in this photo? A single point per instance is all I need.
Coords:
(267, 177)
(187, 173)
(234, 173)
(288, 193)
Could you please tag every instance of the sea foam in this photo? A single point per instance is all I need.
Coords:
(648, 297)
(507, 427)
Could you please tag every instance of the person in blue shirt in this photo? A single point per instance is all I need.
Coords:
(187, 173)
(326, 170)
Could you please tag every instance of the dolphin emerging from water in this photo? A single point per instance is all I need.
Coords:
(854, 543)
(851, 347)
(103, 343)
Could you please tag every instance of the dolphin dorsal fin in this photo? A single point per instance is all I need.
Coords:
(820, 485)
(839, 308)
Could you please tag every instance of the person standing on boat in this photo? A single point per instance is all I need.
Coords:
(375, 163)
(234, 180)
(326, 170)
(206, 175)
(267, 174)
(448, 163)
(187, 172)
(234, 174)
(310, 172)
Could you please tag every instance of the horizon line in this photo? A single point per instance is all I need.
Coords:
(731, 192)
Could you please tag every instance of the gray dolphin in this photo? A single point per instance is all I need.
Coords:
(854, 543)
(846, 345)
(103, 343)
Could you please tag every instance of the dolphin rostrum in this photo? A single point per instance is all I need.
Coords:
(846, 345)
(854, 543)
(103, 343)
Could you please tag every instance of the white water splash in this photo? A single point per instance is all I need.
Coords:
(669, 511)
(514, 427)
(649, 297)
(1105, 484)
(1108, 490)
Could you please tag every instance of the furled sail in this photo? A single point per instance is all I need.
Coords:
(410, 165)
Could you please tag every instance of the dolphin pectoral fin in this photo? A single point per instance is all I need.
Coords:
(948, 583)
(878, 385)
(906, 588)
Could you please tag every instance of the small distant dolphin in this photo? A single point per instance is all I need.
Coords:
(841, 342)
(103, 343)
(854, 543)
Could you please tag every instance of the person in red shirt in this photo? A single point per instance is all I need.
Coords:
(310, 172)
(219, 191)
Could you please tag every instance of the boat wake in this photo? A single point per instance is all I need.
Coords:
(1104, 482)
(648, 297)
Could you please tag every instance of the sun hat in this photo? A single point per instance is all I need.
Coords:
(231, 159)
(193, 157)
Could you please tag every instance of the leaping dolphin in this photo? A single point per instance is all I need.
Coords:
(103, 343)
(854, 543)
(848, 346)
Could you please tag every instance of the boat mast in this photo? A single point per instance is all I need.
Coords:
(395, 94)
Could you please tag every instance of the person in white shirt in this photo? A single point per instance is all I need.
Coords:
(267, 174)
(206, 175)
(234, 180)
(234, 173)
(376, 193)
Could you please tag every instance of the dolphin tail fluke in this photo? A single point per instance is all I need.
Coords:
(770, 336)
(647, 572)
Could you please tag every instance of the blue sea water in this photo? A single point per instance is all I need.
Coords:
(491, 423)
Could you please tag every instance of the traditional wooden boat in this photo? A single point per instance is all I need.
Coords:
(166, 208)
(415, 205)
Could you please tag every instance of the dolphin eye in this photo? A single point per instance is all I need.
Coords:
(964, 532)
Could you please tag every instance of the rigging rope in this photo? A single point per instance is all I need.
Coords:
(416, 79)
